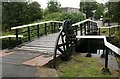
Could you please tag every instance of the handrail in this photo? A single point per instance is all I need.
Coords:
(110, 26)
(109, 45)
(78, 23)
(18, 27)
(7, 36)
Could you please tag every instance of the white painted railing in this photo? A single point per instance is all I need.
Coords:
(12, 36)
(109, 45)
(114, 26)
(81, 22)
(34, 24)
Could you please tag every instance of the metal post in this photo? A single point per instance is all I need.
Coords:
(89, 54)
(10, 43)
(106, 58)
(109, 31)
(54, 26)
(51, 27)
(59, 25)
(28, 33)
(45, 29)
(85, 28)
(106, 69)
(17, 42)
(20, 41)
(88, 27)
(38, 32)
(81, 29)
(99, 31)
(103, 54)
(76, 30)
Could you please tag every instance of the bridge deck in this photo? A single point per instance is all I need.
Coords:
(44, 44)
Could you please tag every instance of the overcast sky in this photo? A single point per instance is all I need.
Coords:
(65, 3)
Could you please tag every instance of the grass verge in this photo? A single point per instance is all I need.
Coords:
(82, 67)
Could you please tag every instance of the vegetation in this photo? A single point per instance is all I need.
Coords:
(99, 11)
(113, 11)
(75, 17)
(82, 67)
(19, 13)
(88, 8)
(116, 40)
(113, 15)
(53, 6)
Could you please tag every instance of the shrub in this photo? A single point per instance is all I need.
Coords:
(75, 17)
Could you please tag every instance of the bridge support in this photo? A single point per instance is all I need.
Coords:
(17, 42)
(103, 54)
(105, 69)
(89, 54)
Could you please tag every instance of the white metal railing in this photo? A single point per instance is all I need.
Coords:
(12, 36)
(109, 45)
(81, 22)
(114, 26)
(18, 27)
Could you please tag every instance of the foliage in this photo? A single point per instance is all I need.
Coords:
(99, 11)
(53, 6)
(19, 13)
(113, 14)
(75, 17)
(113, 11)
(116, 40)
(88, 8)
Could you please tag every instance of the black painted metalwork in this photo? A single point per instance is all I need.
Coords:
(45, 29)
(38, 31)
(29, 34)
(17, 42)
(10, 43)
(68, 37)
(32, 32)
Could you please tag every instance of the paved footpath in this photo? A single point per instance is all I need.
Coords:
(12, 65)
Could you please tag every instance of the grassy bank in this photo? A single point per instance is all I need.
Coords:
(82, 67)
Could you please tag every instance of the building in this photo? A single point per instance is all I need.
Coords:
(70, 9)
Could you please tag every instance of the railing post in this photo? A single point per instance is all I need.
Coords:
(45, 29)
(51, 27)
(81, 29)
(76, 27)
(59, 25)
(9, 42)
(106, 58)
(88, 26)
(20, 40)
(109, 31)
(38, 32)
(54, 26)
(28, 33)
(99, 30)
(85, 28)
(106, 69)
(17, 42)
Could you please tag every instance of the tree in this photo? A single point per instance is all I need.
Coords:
(99, 11)
(53, 6)
(34, 11)
(88, 8)
(113, 11)
(19, 13)
(11, 12)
